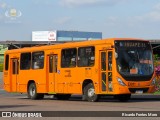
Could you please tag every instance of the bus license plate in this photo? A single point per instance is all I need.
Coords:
(139, 91)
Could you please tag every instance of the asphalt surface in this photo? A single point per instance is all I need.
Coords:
(20, 102)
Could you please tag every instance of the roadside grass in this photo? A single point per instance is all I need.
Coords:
(1, 67)
(157, 93)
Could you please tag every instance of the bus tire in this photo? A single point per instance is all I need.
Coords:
(123, 97)
(89, 93)
(32, 92)
(63, 96)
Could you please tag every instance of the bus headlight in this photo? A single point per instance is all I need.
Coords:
(121, 82)
(153, 81)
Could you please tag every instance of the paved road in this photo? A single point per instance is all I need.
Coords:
(18, 102)
(12, 101)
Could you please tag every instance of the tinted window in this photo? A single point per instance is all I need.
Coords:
(68, 58)
(86, 56)
(15, 66)
(37, 60)
(134, 59)
(25, 62)
(6, 62)
(51, 64)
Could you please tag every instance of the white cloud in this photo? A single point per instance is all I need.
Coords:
(75, 3)
(80, 2)
(151, 16)
(3, 5)
(62, 21)
(41, 2)
(111, 21)
(154, 16)
(1, 17)
(157, 6)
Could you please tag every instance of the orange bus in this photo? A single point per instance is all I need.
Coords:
(115, 66)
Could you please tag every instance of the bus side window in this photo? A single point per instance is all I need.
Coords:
(51, 64)
(15, 66)
(110, 61)
(55, 59)
(25, 61)
(86, 56)
(68, 58)
(38, 60)
(6, 62)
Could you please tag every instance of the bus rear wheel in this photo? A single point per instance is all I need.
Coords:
(89, 93)
(32, 92)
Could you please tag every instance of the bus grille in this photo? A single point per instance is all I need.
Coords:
(133, 90)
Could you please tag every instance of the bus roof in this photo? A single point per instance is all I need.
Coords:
(69, 44)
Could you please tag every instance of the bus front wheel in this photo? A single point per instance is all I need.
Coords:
(89, 93)
(32, 92)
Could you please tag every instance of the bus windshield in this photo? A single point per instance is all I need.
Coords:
(134, 59)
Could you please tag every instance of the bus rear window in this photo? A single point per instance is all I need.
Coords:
(6, 62)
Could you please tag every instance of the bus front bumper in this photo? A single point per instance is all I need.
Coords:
(135, 90)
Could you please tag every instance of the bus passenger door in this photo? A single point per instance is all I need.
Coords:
(51, 72)
(106, 71)
(14, 74)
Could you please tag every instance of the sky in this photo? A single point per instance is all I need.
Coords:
(114, 18)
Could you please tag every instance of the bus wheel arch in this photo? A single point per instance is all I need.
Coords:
(32, 91)
(89, 91)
